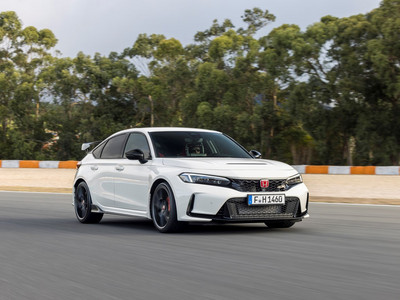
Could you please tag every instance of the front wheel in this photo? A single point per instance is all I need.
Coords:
(163, 209)
(83, 205)
(280, 224)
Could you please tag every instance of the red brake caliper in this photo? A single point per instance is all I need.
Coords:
(169, 205)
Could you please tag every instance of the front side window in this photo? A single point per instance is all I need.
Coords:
(196, 144)
(138, 141)
(113, 147)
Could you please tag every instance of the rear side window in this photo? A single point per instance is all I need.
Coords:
(97, 151)
(113, 147)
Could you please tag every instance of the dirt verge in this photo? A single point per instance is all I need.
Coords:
(362, 189)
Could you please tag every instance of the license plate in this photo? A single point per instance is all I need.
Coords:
(266, 199)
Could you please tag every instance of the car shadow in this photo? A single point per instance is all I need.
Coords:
(144, 225)
(111, 225)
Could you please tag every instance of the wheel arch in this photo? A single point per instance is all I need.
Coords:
(152, 189)
(77, 182)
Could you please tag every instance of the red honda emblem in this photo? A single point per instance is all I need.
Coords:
(264, 183)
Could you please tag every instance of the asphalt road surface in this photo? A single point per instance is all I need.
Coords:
(341, 252)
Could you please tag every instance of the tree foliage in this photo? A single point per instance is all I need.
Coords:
(326, 95)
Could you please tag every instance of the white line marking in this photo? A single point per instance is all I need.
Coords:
(356, 204)
(25, 192)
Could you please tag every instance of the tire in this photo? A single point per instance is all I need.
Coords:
(163, 209)
(280, 224)
(83, 205)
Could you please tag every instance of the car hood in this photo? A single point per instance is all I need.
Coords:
(232, 167)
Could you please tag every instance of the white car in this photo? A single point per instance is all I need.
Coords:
(175, 176)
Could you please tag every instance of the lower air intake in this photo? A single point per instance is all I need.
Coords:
(237, 208)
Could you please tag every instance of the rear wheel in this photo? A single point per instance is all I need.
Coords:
(280, 224)
(163, 209)
(83, 205)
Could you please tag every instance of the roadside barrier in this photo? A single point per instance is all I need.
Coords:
(44, 164)
(348, 170)
(302, 169)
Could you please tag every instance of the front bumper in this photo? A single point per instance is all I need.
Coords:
(204, 203)
(237, 210)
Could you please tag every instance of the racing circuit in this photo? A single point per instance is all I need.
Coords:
(343, 251)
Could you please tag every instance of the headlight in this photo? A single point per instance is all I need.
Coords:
(204, 179)
(296, 179)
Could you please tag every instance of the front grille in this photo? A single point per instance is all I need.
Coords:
(243, 185)
(237, 208)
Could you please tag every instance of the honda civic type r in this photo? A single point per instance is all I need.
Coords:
(175, 176)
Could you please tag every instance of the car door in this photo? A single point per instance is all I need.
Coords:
(132, 179)
(104, 169)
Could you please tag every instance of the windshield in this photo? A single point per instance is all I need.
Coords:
(195, 144)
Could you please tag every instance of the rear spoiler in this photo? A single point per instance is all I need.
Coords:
(86, 146)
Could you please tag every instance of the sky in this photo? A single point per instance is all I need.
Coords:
(103, 26)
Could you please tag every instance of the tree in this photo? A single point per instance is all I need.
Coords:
(23, 54)
(169, 79)
(90, 101)
(326, 95)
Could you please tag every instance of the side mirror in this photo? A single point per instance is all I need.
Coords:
(136, 154)
(255, 153)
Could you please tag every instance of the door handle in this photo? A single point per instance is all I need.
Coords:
(119, 168)
(94, 168)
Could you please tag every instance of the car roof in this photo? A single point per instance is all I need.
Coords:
(164, 129)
